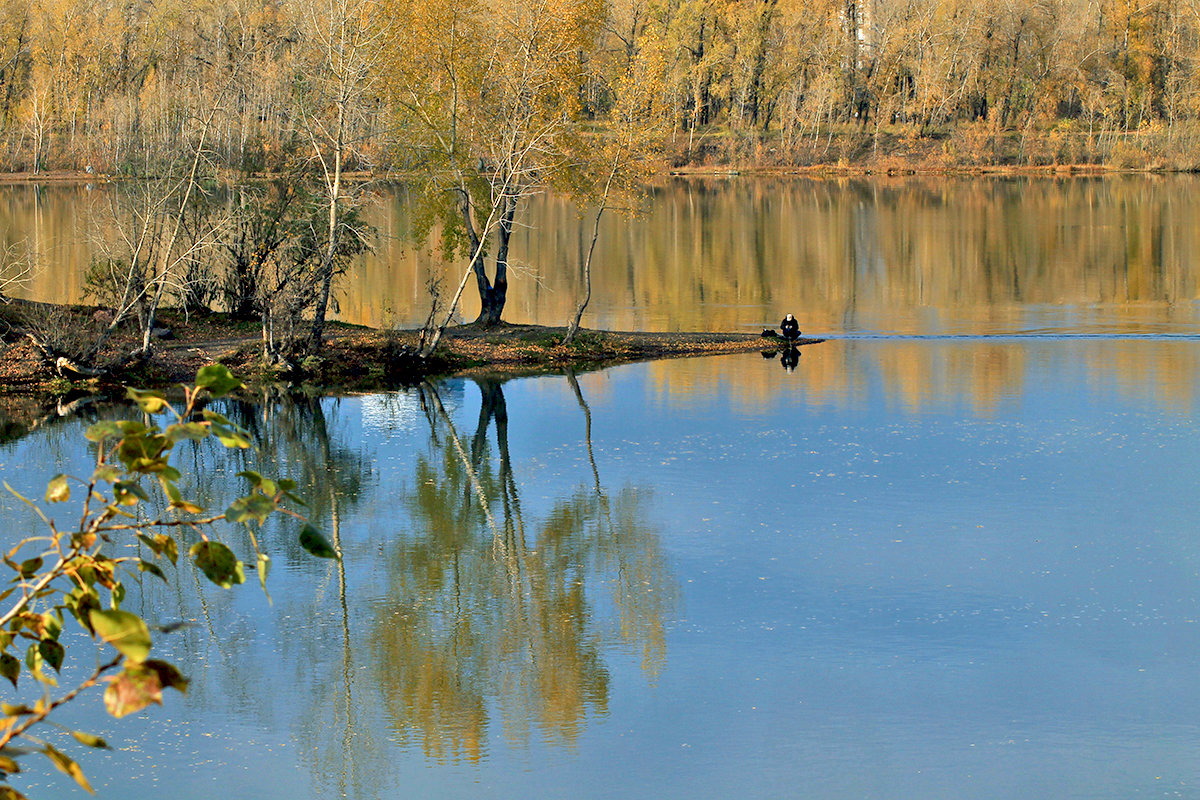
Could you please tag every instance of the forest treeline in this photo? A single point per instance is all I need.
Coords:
(120, 86)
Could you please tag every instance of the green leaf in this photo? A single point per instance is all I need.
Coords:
(232, 438)
(58, 490)
(264, 568)
(52, 653)
(90, 740)
(150, 402)
(104, 430)
(139, 685)
(143, 452)
(8, 766)
(29, 567)
(252, 476)
(186, 430)
(169, 548)
(107, 473)
(218, 419)
(218, 563)
(152, 568)
(82, 601)
(10, 667)
(176, 498)
(252, 506)
(168, 675)
(217, 379)
(229, 434)
(125, 631)
(162, 545)
(34, 660)
(128, 493)
(51, 625)
(315, 542)
(67, 765)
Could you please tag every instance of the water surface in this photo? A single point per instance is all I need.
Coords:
(950, 555)
(742, 582)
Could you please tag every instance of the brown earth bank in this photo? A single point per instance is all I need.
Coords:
(353, 358)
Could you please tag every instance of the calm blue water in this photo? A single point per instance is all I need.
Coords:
(938, 568)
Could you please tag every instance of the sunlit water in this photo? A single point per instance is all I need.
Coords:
(951, 555)
(754, 584)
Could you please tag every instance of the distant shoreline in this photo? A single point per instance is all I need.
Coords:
(815, 171)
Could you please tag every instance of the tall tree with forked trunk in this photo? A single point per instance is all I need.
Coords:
(488, 110)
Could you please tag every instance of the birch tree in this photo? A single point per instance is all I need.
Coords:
(487, 106)
(342, 52)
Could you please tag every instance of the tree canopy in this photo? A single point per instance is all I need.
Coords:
(732, 76)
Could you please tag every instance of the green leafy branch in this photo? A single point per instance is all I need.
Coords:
(73, 574)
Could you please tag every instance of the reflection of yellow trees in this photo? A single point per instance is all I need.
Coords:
(897, 255)
(490, 615)
(893, 255)
(972, 256)
(47, 227)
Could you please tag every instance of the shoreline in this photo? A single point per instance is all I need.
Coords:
(892, 168)
(355, 360)
(358, 358)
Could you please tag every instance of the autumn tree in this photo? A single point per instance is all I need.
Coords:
(621, 160)
(488, 111)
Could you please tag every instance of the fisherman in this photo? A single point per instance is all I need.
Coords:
(790, 328)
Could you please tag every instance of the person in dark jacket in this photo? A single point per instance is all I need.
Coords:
(790, 328)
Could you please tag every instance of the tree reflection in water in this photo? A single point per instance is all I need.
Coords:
(460, 610)
(494, 615)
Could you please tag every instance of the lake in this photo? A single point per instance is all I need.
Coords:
(951, 554)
